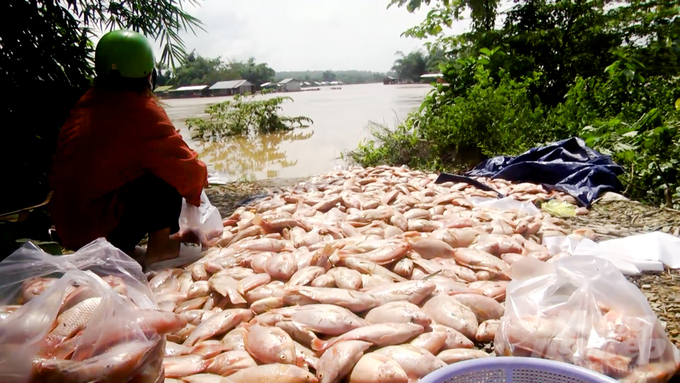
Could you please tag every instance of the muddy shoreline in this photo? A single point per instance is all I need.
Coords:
(607, 219)
(229, 196)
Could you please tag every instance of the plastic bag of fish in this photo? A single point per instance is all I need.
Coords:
(582, 310)
(62, 322)
(202, 224)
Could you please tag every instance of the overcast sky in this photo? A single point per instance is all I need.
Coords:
(306, 34)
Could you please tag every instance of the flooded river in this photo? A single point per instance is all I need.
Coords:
(340, 119)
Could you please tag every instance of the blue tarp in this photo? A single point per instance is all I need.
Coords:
(568, 165)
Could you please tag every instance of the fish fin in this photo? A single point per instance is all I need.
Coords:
(258, 221)
(190, 341)
(292, 289)
(237, 299)
(318, 344)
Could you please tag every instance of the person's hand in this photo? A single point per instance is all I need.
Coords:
(190, 236)
(195, 236)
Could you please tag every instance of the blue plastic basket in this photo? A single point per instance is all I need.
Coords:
(514, 370)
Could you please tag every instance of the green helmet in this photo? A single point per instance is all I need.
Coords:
(126, 51)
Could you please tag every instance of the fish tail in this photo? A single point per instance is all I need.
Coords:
(328, 250)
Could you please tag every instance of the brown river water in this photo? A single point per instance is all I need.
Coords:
(340, 119)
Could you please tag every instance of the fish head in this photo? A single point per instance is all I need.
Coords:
(285, 353)
(302, 375)
(420, 318)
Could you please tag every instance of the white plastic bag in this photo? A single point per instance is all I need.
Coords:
(649, 247)
(203, 223)
(582, 310)
(99, 256)
(507, 203)
(631, 255)
(75, 326)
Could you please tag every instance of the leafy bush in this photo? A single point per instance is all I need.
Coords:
(489, 120)
(653, 176)
(243, 115)
(633, 119)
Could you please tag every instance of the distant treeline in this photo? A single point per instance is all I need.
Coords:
(198, 70)
(346, 76)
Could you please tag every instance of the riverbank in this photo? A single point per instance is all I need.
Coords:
(607, 219)
(234, 194)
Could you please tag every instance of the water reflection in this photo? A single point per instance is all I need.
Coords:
(245, 157)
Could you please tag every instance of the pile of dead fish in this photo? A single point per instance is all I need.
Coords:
(359, 275)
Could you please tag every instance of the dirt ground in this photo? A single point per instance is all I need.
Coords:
(608, 219)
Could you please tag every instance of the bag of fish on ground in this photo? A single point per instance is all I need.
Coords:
(203, 223)
(83, 317)
(582, 310)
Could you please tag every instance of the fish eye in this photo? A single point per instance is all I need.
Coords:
(283, 357)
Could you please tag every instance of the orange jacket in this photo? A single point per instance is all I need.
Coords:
(110, 139)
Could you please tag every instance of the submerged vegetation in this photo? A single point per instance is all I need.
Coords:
(242, 116)
(607, 72)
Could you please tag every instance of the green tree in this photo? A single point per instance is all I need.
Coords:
(328, 76)
(199, 70)
(444, 12)
(410, 67)
(434, 59)
(164, 74)
(256, 74)
(46, 61)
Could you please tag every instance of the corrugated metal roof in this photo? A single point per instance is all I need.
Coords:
(286, 81)
(162, 88)
(233, 84)
(192, 87)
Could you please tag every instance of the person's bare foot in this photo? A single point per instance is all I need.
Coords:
(161, 247)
